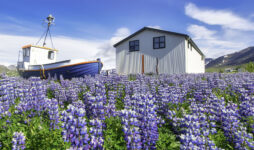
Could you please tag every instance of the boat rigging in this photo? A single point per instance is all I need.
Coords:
(49, 21)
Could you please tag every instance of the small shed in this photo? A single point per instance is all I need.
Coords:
(156, 51)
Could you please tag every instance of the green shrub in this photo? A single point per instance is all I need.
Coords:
(167, 139)
(114, 135)
(249, 67)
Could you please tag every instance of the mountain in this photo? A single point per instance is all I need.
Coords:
(244, 56)
(3, 69)
(208, 60)
(12, 67)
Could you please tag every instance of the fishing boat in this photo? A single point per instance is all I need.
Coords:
(40, 61)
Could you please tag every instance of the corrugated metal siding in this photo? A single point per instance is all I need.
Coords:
(121, 59)
(134, 63)
(171, 59)
(127, 62)
(150, 64)
(174, 61)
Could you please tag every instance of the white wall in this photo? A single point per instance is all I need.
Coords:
(194, 61)
(171, 58)
(40, 56)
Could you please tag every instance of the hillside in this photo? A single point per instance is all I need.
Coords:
(242, 57)
(3, 69)
(12, 67)
(10, 70)
(208, 60)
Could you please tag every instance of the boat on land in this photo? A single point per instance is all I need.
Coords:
(40, 61)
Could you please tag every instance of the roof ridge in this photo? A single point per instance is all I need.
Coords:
(149, 28)
(160, 30)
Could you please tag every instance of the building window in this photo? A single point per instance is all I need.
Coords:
(51, 55)
(134, 45)
(159, 42)
(26, 52)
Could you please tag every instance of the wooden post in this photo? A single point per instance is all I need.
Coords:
(143, 64)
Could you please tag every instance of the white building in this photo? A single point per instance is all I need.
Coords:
(152, 50)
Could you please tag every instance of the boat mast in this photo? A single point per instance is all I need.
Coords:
(50, 20)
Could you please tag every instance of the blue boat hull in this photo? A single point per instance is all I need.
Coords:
(68, 71)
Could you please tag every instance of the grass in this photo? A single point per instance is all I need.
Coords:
(222, 68)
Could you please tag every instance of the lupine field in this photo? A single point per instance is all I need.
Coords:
(189, 111)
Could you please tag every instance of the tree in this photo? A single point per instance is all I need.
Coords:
(250, 67)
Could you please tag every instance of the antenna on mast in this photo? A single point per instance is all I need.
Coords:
(50, 20)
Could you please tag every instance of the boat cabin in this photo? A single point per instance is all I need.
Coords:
(36, 55)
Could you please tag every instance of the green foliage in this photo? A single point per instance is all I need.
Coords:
(221, 70)
(171, 84)
(249, 122)
(50, 94)
(119, 104)
(220, 140)
(150, 74)
(114, 135)
(180, 108)
(12, 73)
(215, 69)
(8, 128)
(3, 69)
(81, 95)
(167, 139)
(249, 67)
(243, 67)
(190, 94)
(37, 131)
(107, 90)
(228, 95)
(66, 103)
(120, 97)
(132, 77)
(39, 136)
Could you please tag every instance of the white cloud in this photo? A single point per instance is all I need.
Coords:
(122, 32)
(232, 32)
(225, 18)
(69, 48)
(215, 44)
(107, 50)
(200, 32)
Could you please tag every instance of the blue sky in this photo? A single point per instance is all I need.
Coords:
(92, 27)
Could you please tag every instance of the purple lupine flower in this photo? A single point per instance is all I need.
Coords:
(18, 141)
(74, 127)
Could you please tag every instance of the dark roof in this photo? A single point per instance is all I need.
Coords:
(163, 31)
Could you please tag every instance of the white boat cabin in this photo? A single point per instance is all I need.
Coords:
(36, 55)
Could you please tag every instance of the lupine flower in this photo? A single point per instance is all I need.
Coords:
(74, 127)
(18, 141)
